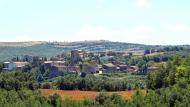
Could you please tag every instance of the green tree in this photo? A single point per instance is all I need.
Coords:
(180, 72)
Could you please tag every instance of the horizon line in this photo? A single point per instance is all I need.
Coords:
(44, 41)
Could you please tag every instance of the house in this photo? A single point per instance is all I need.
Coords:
(133, 69)
(8, 66)
(111, 53)
(90, 68)
(77, 55)
(100, 72)
(123, 67)
(14, 65)
(73, 69)
(100, 67)
(20, 64)
(100, 54)
(56, 68)
(56, 65)
(109, 67)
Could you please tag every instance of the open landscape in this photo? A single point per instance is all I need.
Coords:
(94, 53)
(110, 76)
(9, 50)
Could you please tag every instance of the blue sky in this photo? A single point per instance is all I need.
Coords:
(134, 21)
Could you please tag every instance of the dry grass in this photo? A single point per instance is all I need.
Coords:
(20, 44)
(81, 95)
(155, 54)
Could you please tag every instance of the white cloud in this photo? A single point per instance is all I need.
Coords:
(135, 34)
(177, 28)
(143, 3)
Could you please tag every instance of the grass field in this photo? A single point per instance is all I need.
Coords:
(81, 95)
(155, 54)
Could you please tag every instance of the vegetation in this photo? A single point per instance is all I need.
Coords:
(166, 86)
(169, 74)
(17, 81)
(100, 83)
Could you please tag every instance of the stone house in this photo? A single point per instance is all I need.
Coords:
(77, 55)
(109, 68)
(123, 67)
(90, 68)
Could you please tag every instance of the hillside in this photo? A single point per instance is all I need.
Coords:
(13, 49)
(48, 49)
(20, 44)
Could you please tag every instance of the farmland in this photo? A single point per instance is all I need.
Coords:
(81, 95)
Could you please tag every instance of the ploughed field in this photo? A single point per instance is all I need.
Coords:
(81, 95)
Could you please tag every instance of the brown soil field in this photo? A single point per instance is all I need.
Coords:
(81, 95)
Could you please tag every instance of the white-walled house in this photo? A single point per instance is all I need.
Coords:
(8, 66)
(13, 65)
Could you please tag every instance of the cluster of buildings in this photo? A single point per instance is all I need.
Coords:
(59, 67)
(78, 64)
(119, 68)
(93, 67)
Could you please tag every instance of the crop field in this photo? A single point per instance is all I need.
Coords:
(81, 95)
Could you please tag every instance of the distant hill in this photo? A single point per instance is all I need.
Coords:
(48, 49)
(20, 44)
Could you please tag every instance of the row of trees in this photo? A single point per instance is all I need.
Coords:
(165, 49)
(97, 83)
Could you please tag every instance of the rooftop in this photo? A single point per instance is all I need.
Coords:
(109, 65)
(49, 62)
(21, 62)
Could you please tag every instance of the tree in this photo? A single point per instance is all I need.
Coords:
(54, 100)
(40, 78)
(101, 98)
(177, 61)
(83, 75)
(147, 51)
(130, 54)
(27, 68)
(180, 72)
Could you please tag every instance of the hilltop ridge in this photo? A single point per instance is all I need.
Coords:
(21, 44)
(48, 49)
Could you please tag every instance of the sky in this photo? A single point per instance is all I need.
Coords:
(154, 22)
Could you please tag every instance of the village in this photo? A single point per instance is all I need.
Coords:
(80, 62)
